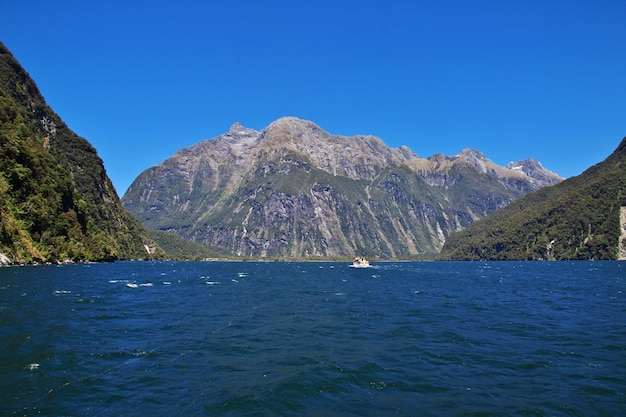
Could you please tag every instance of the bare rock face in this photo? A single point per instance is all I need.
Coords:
(534, 170)
(4, 260)
(293, 189)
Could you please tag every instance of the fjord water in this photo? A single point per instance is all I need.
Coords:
(323, 339)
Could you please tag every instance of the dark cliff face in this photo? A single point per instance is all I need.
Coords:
(57, 202)
(294, 190)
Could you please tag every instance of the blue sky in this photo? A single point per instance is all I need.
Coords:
(514, 79)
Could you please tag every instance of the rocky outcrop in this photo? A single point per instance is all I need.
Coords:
(293, 189)
(535, 171)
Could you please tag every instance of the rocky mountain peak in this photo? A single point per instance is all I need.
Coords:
(292, 122)
(404, 153)
(471, 153)
(294, 189)
(533, 169)
(524, 165)
(475, 157)
(356, 157)
(292, 130)
(237, 129)
(581, 218)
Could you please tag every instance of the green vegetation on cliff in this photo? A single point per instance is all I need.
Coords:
(576, 219)
(179, 248)
(56, 201)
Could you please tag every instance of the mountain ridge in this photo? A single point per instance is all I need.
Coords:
(293, 189)
(583, 217)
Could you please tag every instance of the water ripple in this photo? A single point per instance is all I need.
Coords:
(296, 339)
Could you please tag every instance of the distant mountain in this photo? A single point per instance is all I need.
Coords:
(294, 190)
(583, 217)
(56, 201)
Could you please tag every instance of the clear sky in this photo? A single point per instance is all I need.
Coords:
(513, 78)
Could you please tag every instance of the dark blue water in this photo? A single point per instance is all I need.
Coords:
(314, 339)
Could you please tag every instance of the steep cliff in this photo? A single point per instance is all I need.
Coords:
(56, 201)
(294, 190)
(576, 219)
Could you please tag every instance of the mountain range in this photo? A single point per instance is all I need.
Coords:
(584, 217)
(57, 203)
(294, 190)
(290, 190)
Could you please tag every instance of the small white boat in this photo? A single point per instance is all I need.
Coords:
(360, 263)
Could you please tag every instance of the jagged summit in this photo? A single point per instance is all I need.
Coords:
(237, 129)
(475, 158)
(530, 162)
(292, 122)
(533, 169)
(583, 217)
(293, 189)
(472, 154)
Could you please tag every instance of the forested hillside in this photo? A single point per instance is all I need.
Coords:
(576, 219)
(56, 201)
